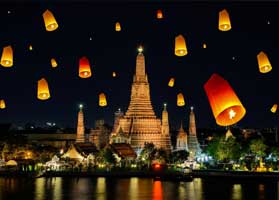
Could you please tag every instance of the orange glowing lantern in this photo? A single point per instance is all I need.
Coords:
(84, 68)
(30, 47)
(226, 107)
(204, 46)
(113, 74)
(102, 100)
(263, 62)
(160, 14)
(53, 63)
(274, 108)
(7, 56)
(50, 21)
(117, 26)
(180, 46)
(2, 104)
(180, 100)
(224, 21)
(171, 82)
(43, 91)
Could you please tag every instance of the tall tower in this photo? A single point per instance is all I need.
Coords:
(140, 122)
(80, 126)
(193, 143)
(181, 140)
(165, 121)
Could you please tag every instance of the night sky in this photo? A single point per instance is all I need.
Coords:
(231, 54)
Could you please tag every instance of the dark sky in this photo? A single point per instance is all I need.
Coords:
(254, 29)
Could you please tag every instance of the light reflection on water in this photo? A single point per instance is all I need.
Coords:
(131, 188)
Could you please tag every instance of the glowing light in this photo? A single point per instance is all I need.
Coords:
(140, 49)
(232, 114)
(80, 106)
(157, 166)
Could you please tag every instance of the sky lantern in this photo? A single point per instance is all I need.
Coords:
(180, 46)
(180, 100)
(225, 105)
(7, 56)
(224, 21)
(50, 21)
(102, 100)
(274, 108)
(113, 74)
(171, 82)
(160, 14)
(117, 26)
(263, 62)
(43, 91)
(2, 104)
(204, 46)
(84, 68)
(53, 63)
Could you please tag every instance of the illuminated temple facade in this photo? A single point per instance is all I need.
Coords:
(140, 124)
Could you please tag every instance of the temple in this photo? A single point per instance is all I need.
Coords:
(140, 124)
(193, 143)
(80, 126)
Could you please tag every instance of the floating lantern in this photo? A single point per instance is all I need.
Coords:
(53, 63)
(84, 68)
(171, 82)
(180, 46)
(113, 74)
(102, 100)
(50, 22)
(2, 104)
(225, 105)
(160, 14)
(43, 91)
(117, 26)
(7, 56)
(263, 62)
(274, 108)
(180, 100)
(224, 21)
(30, 48)
(204, 46)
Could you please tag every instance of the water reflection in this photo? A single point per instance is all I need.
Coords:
(40, 188)
(133, 188)
(101, 189)
(236, 191)
(157, 190)
(194, 189)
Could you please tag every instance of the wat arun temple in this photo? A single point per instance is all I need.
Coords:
(140, 124)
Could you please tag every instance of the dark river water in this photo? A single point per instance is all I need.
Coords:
(132, 188)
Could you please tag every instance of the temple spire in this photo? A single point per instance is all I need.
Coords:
(140, 64)
(80, 126)
(165, 121)
(192, 122)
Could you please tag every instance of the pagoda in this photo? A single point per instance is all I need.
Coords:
(140, 123)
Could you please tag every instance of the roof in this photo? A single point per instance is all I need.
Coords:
(123, 150)
(86, 147)
(73, 153)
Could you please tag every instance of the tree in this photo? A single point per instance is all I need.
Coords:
(147, 154)
(257, 147)
(179, 156)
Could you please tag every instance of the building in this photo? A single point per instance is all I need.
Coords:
(140, 122)
(193, 143)
(182, 140)
(80, 126)
(100, 134)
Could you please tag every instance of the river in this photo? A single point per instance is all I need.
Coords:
(132, 188)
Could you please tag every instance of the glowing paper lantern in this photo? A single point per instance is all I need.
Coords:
(30, 47)
(160, 14)
(43, 91)
(50, 22)
(171, 82)
(117, 26)
(180, 100)
(113, 74)
(274, 108)
(7, 56)
(2, 104)
(226, 107)
(263, 62)
(224, 21)
(84, 68)
(53, 63)
(102, 99)
(204, 46)
(180, 46)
